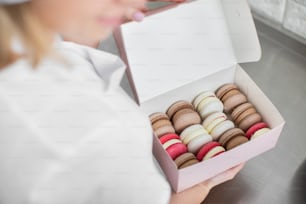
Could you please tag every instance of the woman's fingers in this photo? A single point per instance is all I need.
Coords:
(136, 14)
(175, 1)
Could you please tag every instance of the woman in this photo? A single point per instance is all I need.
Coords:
(69, 133)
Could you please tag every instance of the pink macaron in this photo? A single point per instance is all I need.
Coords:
(207, 148)
(255, 128)
(176, 150)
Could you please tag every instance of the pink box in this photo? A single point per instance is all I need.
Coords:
(180, 51)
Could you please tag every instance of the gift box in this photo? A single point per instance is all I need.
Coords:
(184, 49)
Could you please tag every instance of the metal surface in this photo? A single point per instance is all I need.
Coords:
(277, 176)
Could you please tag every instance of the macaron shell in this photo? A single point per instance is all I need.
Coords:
(201, 96)
(215, 106)
(189, 163)
(168, 137)
(206, 101)
(221, 128)
(176, 150)
(234, 101)
(183, 158)
(203, 151)
(236, 141)
(240, 109)
(260, 132)
(178, 105)
(161, 123)
(164, 130)
(171, 142)
(214, 151)
(193, 129)
(245, 114)
(230, 94)
(190, 137)
(254, 128)
(224, 89)
(250, 120)
(229, 134)
(184, 118)
(213, 119)
(154, 117)
(195, 145)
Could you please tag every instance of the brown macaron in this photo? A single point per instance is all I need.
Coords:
(185, 160)
(229, 135)
(161, 124)
(230, 94)
(164, 130)
(178, 105)
(240, 109)
(221, 91)
(245, 114)
(250, 120)
(236, 141)
(234, 101)
(154, 117)
(184, 118)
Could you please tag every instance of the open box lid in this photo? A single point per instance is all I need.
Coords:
(187, 42)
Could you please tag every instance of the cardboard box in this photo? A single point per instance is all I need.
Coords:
(181, 51)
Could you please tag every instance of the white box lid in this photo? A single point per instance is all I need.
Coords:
(185, 43)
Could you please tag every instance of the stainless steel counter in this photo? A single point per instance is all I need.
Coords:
(277, 176)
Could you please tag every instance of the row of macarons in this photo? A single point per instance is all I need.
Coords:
(202, 128)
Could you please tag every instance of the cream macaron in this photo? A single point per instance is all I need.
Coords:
(195, 137)
(207, 103)
(217, 124)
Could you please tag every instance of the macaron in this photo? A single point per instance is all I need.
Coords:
(163, 139)
(221, 128)
(184, 118)
(236, 141)
(185, 160)
(217, 124)
(233, 101)
(255, 128)
(191, 132)
(195, 145)
(260, 132)
(228, 138)
(176, 150)
(178, 105)
(210, 150)
(240, 109)
(212, 120)
(221, 91)
(195, 137)
(201, 96)
(207, 103)
(154, 117)
(173, 145)
(250, 120)
(161, 124)
(231, 96)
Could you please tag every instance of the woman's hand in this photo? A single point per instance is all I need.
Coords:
(198, 193)
(137, 14)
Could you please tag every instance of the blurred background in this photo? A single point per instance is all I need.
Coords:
(279, 175)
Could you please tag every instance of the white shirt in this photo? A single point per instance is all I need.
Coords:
(69, 136)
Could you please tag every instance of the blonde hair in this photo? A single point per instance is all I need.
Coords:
(18, 22)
